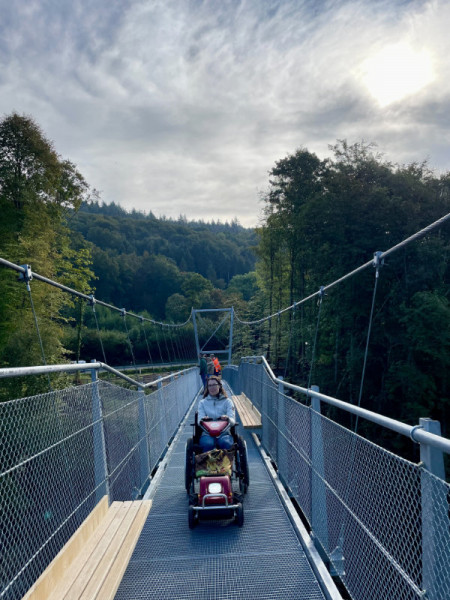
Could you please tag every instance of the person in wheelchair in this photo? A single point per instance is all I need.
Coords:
(216, 405)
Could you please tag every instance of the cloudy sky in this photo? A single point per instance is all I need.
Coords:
(183, 106)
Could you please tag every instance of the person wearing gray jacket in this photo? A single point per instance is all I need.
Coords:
(210, 365)
(216, 405)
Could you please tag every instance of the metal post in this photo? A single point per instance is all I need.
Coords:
(264, 403)
(162, 422)
(100, 463)
(282, 461)
(435, 524)
(230, 341)
(319, 516)
(143, 437)
(194, 321)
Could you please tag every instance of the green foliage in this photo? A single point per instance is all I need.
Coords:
(322, 220)
(132, 250)
(178, 308)
(37, 188)
(244, 285)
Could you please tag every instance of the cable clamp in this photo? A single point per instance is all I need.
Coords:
(92, 300)
(322, 294)
(378, 261)
(26, 275)
(413, 431)
(123, 312)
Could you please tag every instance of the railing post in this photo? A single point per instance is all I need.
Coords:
(281, 435)
(435, 530)
(100, 463)
(143, 437)
(264, 403)
(319, 515)
(162, 423)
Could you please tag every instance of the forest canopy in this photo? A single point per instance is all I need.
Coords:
(140, 261)
(324, 218)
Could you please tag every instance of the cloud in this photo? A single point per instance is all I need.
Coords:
(183, 106)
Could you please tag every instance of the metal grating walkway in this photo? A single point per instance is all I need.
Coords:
(218, 561)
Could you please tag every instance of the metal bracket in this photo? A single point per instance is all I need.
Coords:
(27, 275)
(123, 312)
(413, 430)
(337, 560)
(92, 300)
(378, 260)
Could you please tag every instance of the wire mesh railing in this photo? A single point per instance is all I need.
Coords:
(60, 452)
(381, 521)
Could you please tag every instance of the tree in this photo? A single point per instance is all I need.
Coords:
(178, 308)
(197, 289)
(324, 219)
(245, 285)
(37, 191)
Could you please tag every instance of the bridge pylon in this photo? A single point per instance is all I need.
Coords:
(229, 314)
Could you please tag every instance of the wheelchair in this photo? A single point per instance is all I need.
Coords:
(216, 496)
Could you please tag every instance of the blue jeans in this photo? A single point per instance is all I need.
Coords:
(224, 442)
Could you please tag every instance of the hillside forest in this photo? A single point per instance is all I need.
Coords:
(322, 218)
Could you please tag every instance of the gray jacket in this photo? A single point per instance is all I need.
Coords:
(214, 407)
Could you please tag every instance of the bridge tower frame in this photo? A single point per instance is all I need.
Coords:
(228, 311)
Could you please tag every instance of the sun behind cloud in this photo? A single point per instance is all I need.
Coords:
(397, 71)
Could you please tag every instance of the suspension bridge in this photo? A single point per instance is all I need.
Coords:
(328, 513)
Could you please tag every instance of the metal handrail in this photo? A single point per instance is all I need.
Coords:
(416, 433)
(95, 366)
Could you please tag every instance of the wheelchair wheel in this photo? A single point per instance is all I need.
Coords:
(239, 518)
(192, 518)
(189, 469)
(244, 478)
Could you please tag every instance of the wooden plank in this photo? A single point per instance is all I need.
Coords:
(85, 554)
(111, 555)
(56, 570)
(90, 567)
(114, 577)
(250, 416)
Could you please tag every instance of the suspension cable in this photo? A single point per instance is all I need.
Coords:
(146, 342)
(22, 270)
(27, 276)
(92, 303)
(382, 255)
(159, 347)
(377, 262)
(288, 358)
(321, 295)
(165, 343)
(124, 315)
(173, 345)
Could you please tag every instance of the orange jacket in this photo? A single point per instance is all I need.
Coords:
(217, 364)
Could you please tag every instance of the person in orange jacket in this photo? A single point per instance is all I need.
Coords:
(217, 367)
